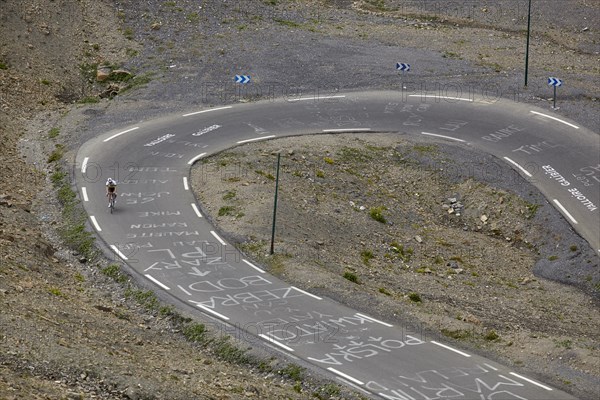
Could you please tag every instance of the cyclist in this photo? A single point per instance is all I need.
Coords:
(111, 189)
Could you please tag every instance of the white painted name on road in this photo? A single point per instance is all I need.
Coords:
(503, 133)
(549, 170)
(159, 140)
(583, 199)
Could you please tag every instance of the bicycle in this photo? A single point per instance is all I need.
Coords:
(111, 201)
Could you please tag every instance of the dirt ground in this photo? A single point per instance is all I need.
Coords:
(68, 330)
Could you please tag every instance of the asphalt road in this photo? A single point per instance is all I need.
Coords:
(159, 231)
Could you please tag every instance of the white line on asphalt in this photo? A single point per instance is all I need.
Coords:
(451, 348)
(255, 139)
(271, 340)
(96, 225)
(343, 375)
(116, 250)
(84, 165)
(253, 266)
(440, 97)
(193, 160)
(208, 310)
(518, 166)
(347, 382)
(183, 290)
(564, 210)
(218, 238)
(554, 118)
(529, 380)
(185, 183)
(316, 98)
(347, 130)
(205, 111)
(490, 366)
(84, 194)
(195, 207)
(153, 279)
(120, 133)
(374, 320)
(443, 136)
(307, 293)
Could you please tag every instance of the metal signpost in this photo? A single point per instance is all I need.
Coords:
(554, 82)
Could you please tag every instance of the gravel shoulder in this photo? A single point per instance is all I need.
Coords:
(67, 330)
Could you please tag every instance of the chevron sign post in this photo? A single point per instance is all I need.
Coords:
(242, 79)
(555, 82)
(403, 67)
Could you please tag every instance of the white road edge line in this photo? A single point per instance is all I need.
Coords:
(451, 349)
(564, 211)
(84, 193)
(183, 290)
(307, 293)
(374, 320)
(442, 136)
(440, 97)
(84, 164)
(116, 250)
(554, 118)
(96, 225)
(347, 130)
(315, 98)
(271, 340)
(193, 160)
(530, 381)
(490, 366)
(255, 139)
(195, 207)
(153, 279)
(185, 183)
(347, 382)
(218, 238)
(205, 111)
(343, 375)
(120, 133)
(518, 166)
(253, 266)
(208, 310)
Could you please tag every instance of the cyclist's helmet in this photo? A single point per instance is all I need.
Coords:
(111, 181)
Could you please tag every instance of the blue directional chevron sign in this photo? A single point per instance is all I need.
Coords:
(403, 67)
(242, 78)
(554, 81)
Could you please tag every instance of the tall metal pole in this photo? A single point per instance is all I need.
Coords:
(275, 205)
(527, 48)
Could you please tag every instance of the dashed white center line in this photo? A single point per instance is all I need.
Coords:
(84, 165)
(374, 320)
(441, 97)
(564, 211)
(183, 290)
(84, 193)
(271, 340)
(554, 118)
(442, 136)
(346, 382)
(218, 238)
(491, 367)
(256, 139)
(451, 349)
(307, 293)
(253, 266)
(153, 279)
(96, 225)
(185, 183)
(213, 312)
(343, 375)
(523, 170)
(193, 160)
(316, 98)
(195, 207)
(529, 380)
(120, 133)
(205, 111)
(116, 250)
(346, 130)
